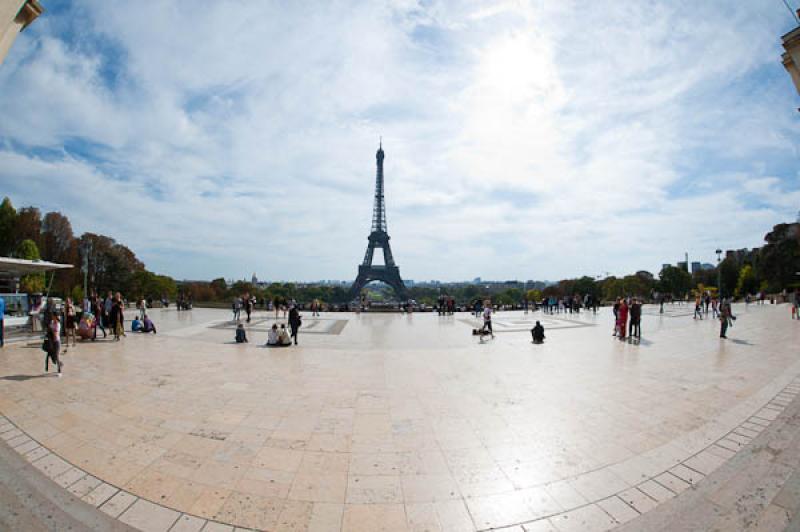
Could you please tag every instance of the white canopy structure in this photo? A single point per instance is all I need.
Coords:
(10, 267)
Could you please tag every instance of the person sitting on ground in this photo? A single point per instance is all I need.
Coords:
(283, 336)
(272, 335)
(538, 333)
(148, 325)
(241, 335)
(136, 324)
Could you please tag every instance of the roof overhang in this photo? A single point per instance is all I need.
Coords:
(10, 267)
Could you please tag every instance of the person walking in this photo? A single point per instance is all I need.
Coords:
(698, 308)
(295, 320)
(99, 320)
(53, 343)
(487, 317)
(724, 319)
(69, 321)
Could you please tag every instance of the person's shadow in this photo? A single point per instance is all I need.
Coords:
(25, 377)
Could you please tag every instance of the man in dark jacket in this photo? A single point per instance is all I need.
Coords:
(294, 322)
(636, 319)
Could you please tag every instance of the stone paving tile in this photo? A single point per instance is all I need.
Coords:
(374, 517)
(543, 525)
(656, 491)
(721, 451)
(618, 509)
(19, 440)
(69, 477)
(598, 484)
(51, 465)
(639, 500)
(589, 518)
(117, 504)
(325, 516)
(374, 489)
(35, 454)
(27, 447)
(188, 523)
(212, 526)
(705, 462)
(149, 517)
(729, 444)
(100, 494)
(673, 483)
(84, 486)
(565, 495)
(250, 511)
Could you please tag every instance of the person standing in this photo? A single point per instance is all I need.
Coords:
(295, 321)
(248, 306)
(636, 319)
(724, 317)
(622, 317)
(108, 304)
(142, 307)
(53, 343)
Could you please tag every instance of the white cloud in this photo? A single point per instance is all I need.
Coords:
(523, 140)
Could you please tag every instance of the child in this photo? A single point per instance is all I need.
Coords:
(136, 324)
(538, 333)
(241, 336)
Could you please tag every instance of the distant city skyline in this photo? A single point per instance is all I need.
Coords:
(521, 141)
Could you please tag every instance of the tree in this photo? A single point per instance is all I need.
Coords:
(586, 285)
(779, 258)
(729, 276)
(34, 282)
(28, 226)
(59, 245)
(219, 286)
(674, 280)
(747, 282)
(8, 222)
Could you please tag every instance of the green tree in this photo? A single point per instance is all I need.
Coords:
(747, 282)
(729, 276)
(8, 222)
(34, 282)
(675, 281)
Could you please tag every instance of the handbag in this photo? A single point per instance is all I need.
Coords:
(47, 345)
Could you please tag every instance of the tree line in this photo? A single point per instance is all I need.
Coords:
(25, 233)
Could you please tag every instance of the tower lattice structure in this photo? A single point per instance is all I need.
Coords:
(389, 273)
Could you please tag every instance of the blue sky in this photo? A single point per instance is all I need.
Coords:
(531, 140)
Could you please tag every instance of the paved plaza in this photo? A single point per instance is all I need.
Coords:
(408, 422)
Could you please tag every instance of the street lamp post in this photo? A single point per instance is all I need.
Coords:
(719, 274)
(86, 248)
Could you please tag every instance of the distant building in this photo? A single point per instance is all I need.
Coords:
(707, 266)
(254, 279)
(477, 280)
(696, 267)
(15, 16)
(684, 265)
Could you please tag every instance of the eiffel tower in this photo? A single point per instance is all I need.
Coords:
(389, 273)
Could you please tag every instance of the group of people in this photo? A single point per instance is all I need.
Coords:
(276, 337)
(628, 318)
(245, 302)
(96, 312)
(446, 305)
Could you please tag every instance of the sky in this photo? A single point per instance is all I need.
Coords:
(523, 140)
